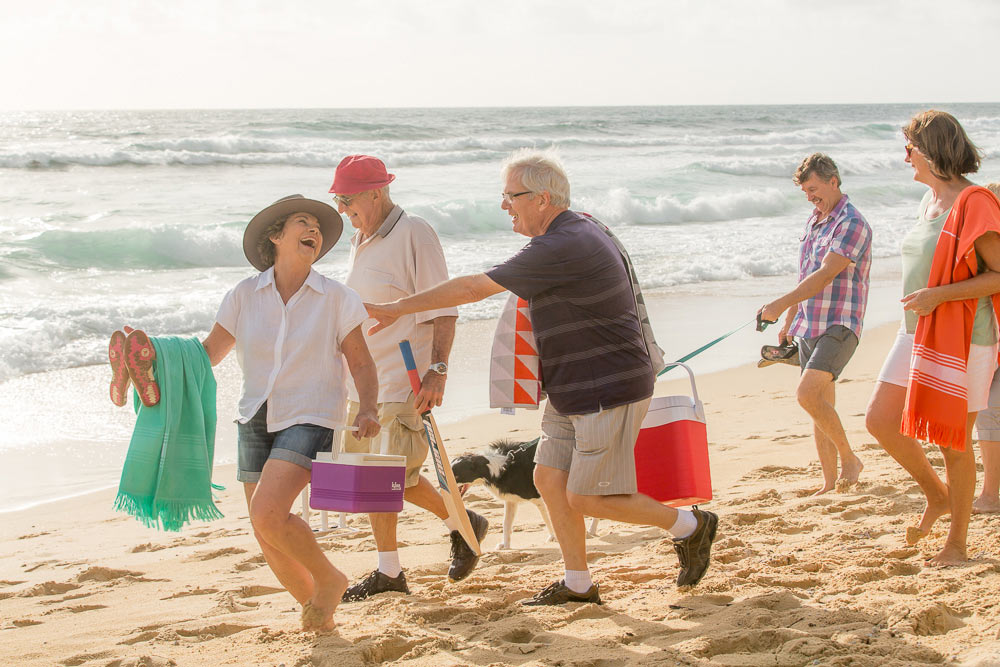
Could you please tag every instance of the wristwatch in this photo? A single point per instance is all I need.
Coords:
(440, 368)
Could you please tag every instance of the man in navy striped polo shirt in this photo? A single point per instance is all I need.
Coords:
(595, 367)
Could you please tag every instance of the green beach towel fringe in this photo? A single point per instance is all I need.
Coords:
(167, 476)
(139, 507)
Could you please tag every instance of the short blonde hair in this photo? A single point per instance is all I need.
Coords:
(539, 171)
(820, 164)
(941, 139)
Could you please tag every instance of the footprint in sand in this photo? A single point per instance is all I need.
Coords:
(49, 588)
(104, 574)
(210, 632)
(33, 535)
(40, 564)
(148, 546)
(218, 553)
(81, 658)
(24, 622)
(194, 591)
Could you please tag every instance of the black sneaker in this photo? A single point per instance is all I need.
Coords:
(559, 593)
(463, 558)
(376, 583)
(695, 550)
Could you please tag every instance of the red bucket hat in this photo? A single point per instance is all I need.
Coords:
(358, 173)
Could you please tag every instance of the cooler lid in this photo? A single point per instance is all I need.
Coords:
(362, 459)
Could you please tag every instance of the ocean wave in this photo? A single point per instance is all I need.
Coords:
(619, 205)
(69, 336)
(136, 248)
(784, 166)
(320, 151)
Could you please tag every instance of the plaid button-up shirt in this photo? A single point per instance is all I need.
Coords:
(845, 232)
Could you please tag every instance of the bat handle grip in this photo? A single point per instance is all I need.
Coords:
(411, 365)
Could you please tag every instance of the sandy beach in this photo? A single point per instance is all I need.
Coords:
(795, 580)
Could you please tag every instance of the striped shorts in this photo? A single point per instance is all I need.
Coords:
(596, 449)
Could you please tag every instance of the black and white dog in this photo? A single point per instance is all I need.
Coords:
(507, 469)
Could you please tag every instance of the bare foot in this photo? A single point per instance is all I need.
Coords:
(851, 469)
(986, 505)
(950, 555)
(317, 613)
(935, 509)
(826, 489)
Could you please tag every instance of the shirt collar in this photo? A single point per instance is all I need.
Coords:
(313, 280)
(383, 230)
(834, 213)
(390, 221)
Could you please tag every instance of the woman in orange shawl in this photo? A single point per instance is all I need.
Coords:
(937, 376)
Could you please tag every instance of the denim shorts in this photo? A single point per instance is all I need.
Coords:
(296, 444)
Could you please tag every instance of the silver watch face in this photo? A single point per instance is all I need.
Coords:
(440, 368)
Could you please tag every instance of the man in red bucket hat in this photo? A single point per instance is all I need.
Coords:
(395, 254)
(597, 370)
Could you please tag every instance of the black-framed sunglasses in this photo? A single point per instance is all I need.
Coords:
(509, 197)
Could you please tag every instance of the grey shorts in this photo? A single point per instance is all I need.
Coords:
(596, 449)
(296, 444)
(829, 351)
(988, 420)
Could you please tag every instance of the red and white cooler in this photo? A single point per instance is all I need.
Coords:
(671, 452)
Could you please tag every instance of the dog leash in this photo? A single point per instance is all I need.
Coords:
(761, 325)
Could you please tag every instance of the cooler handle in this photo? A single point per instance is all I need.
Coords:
(699, 409)
(335, 450)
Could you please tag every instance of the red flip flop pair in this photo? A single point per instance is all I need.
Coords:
(132, 358)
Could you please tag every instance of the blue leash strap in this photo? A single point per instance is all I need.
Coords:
(704, 347)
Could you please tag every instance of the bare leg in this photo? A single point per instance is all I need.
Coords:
(960, 468)
(567, 522)
(424, 495)
(290, 573)
(816, 394)
(989, 500)
(883, 419)
(279, 486)
(634, 508)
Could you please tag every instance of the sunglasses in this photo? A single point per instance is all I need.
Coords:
(345, 200)
(910, 147)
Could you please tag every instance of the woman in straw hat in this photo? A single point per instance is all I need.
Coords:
(293, 328)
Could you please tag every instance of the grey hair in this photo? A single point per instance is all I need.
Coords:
(539, 171)
(820, 164)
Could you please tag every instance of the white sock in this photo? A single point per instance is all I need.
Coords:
(452, 523)
(684, 526)
(578, 581)
(388, 563)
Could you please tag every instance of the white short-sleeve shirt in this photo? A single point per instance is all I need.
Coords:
(401, 258)
(290, 353)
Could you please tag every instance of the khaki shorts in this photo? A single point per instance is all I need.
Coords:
(406, 436)
(596, 449)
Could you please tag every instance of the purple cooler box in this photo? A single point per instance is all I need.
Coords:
(357, 482)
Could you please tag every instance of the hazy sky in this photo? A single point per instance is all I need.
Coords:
(72, 54)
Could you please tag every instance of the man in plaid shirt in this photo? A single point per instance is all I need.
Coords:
(826, 309)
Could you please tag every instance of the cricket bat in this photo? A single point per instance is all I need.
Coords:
(447, 486)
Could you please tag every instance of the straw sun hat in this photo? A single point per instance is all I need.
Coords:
(330, 225)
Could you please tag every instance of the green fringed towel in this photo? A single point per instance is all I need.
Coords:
(167, 477)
